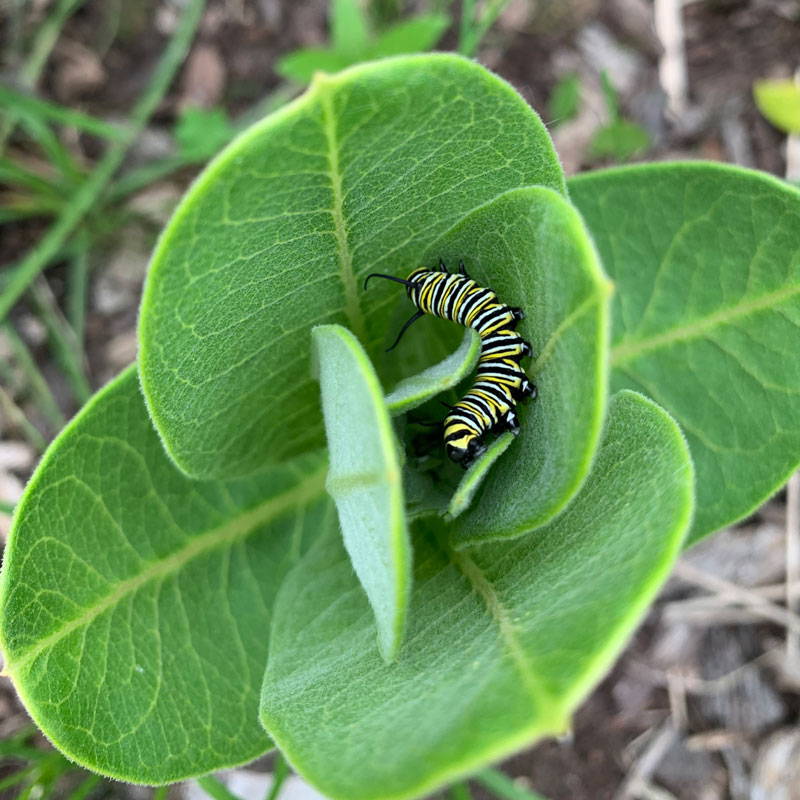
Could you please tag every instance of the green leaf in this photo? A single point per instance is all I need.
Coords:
(620, 141)
(362, 173)
(364, 479)
(474, 476)
(779, 102)
(503, 642)
(532, 248)
(134, 603)
(412, 392)
(707, 316)
(300, 65)
(414, 35)
(200, 133)
(349, 34)
(566, 99)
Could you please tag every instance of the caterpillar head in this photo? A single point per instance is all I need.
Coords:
(465, 449)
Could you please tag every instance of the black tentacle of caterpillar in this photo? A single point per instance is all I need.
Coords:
(500, 382)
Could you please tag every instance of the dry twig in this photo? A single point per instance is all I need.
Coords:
(672, 70)
(637, 783)
(750, 600)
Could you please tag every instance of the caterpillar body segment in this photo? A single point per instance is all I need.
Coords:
(500, 381)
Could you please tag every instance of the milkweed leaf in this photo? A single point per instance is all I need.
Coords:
(135, 603)
(500, 648)
(361, 174)
(706, 318)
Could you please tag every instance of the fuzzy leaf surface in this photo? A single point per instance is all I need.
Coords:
(364, 478)
(706, 319)
(474, 476)
(362, 173)
(415, 390)
(501, 645)
(135, 603)
(531, 247)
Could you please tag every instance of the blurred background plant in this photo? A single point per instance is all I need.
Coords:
(779, 101)
(109, 109)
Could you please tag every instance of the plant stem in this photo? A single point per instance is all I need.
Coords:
(215, 788)
(280, 772)
(495, 781)
(46, 402)
(86, 196)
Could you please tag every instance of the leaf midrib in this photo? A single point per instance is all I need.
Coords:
(223, 535)
(352, 307)
(629, 349)
(508, 631)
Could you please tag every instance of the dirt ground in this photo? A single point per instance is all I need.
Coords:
(704, 703)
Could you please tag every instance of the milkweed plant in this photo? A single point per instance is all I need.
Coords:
(252, 538)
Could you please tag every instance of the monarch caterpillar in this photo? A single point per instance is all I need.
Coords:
(500, 382)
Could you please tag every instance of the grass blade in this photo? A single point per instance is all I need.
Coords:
(46, 402)
(18, 420)
(460, 791)
(474, 29)
(19, 176)
(86, 196)
(32, 106)
(45, 40)
(63, 340)
(50, 145)
(16, 777)
(502, 786)
(77, 287)
(140, 177)
(84, 788)
(466, 26)
(43, 45)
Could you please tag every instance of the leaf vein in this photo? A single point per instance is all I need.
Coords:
(629, 349)
(226, 534)
(508, 631)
